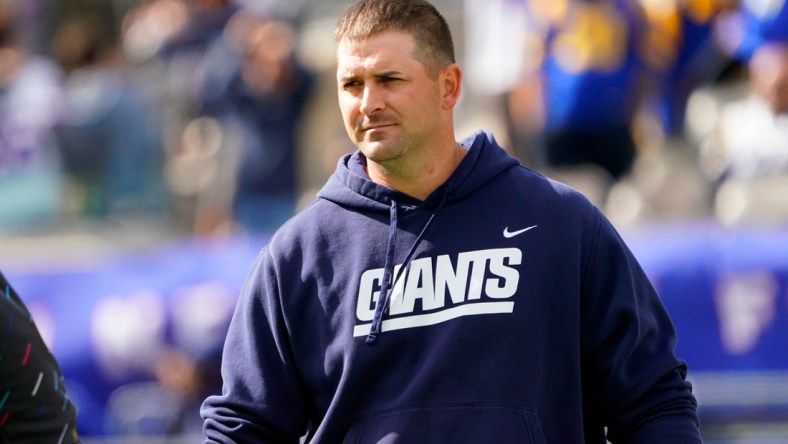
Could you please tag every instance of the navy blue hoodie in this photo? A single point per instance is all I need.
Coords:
(520, 317)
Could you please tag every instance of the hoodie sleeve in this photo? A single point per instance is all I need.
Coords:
(262, 397)
(635, 386)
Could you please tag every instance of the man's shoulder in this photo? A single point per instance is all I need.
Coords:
(533, 185)
(310, 222)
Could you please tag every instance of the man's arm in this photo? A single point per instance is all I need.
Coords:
(262, 400)
(634, 384)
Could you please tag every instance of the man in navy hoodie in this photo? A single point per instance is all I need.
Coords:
(439, 292)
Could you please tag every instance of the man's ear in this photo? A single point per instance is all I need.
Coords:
(451, 85)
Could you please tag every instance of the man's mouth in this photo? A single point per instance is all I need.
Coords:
(375, 125)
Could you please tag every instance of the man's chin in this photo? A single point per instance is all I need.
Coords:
(379, 151)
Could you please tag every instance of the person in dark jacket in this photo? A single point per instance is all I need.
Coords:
(438, 291)
(34, 407)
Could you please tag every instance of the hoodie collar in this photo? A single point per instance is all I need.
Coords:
(351, 186)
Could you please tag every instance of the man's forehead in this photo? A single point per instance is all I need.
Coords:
(383, 52)
(390, 43)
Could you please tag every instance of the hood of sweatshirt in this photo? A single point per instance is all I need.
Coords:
(351, 187)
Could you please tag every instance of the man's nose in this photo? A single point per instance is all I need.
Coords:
(371, 101)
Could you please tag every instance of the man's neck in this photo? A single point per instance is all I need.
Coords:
(420, 178)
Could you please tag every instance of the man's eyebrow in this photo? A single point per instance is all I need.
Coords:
(390, 73)
(346, 77)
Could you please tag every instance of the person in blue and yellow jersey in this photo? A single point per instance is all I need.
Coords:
(586, 75)
(594, 66)
(678, 46)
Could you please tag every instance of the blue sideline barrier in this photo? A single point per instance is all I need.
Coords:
(106, 321)
(727, 292)
(726, 289)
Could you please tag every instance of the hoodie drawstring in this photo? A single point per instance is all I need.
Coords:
(387, 285)
(382, 301)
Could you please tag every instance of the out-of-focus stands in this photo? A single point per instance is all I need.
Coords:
(183, 112)
(178, 113)
(695, 87)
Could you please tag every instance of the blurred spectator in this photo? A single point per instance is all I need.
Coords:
(762, 41)
(581, 85)
(108, 137)
(678, 45)
(167, 42)
(257, 89)
(769, 73)
(204, 24)
(745, 130)
(34, 406)
(190, 379)
(232, 93)
(30, 104)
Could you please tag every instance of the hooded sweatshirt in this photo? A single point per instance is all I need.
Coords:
(503, 308)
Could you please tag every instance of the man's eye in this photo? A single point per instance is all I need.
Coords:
(350, 84)
(389, 79)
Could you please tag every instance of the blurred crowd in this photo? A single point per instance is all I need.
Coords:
(217, 117)
(656, 109)
(182, 112)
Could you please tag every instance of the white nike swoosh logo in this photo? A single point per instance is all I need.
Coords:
(509, 234)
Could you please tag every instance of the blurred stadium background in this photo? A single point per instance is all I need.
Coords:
(149, 148)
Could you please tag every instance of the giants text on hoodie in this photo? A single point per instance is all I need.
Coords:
(434, 290)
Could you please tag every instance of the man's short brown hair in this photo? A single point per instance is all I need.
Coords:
(367, 18)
